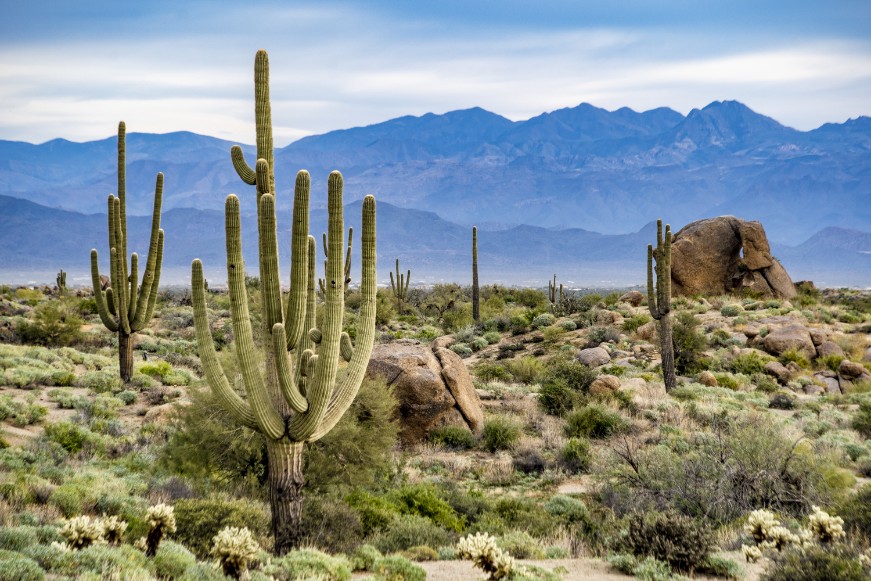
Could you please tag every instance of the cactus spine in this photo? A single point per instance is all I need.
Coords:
(399, 286)
(659, 298)
(552, 293)
(300, 397)
(476, 303)
(126, 306)
(61, 282)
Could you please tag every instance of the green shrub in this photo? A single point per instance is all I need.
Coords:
(593, 421)
(308, 564)
(454, 437)
(99, 381)
(856, 512)
(748, 363)
(121, 562)
(364, 557)
(199, 519)
(424, 500)
(156, 370)
(576, 455)
(461, 349)
(795, 356)
(17, 567)
(492, 337)
(564, 385)
(127, 397)
(525, 369)
(54, 323)
(421, 553)
(398, 568)
(543, 320)
(17, 538)
(566, 508)
(678, 540)
(689, 344)
(599, 334)
(171, 560)
(631, 324)
(375, 513)
(731, 310)
(520, 545)
(500, 433)
(862, 419)
(71, 437)
(330, 524)
(410, 531)
(486, 371)
(816, 563)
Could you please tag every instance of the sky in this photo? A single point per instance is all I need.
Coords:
(74, 69)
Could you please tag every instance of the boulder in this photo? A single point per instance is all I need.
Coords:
(818, 336)
(783, 339)
(777, 370)
(829, 349)
(851, 370)
(633, 297)
(605, 385)
(432, 387)
(867, 356)
(707, 378)
(594, 356)
(719, 255)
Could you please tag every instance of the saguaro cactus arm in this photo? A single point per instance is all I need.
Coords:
(659, 293)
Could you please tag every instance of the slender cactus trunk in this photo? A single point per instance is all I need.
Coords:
(667, 351)
(285, 493)
(476, 309)
(125, 355)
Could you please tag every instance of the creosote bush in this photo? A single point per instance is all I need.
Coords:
(678, 540)
(500, 433)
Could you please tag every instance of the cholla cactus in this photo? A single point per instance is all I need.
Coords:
(759, 524)
(824, 527)
(752, 553)
(161, 520)
(113, 529)
(82, 531)
(235, 548)
(481, 549)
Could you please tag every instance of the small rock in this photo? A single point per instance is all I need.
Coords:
(707, 378)
(634, 298)
(594, 356)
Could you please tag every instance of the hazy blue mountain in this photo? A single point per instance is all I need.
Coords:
(581, 167)
(37, 241)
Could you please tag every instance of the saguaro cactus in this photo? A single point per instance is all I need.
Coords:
(659, 300)
(61, 282)
(399, 286)
(301, 396)
(126, 306)
(476, 301)
(552, 293)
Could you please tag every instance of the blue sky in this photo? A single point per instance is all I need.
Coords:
(73, 69)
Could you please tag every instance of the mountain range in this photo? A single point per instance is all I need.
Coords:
(558, 192)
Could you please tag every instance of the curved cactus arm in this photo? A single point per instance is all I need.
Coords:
(243, 170)
(110, 302)
(285, 380)
(295, 313)
(122, 197)
(651, 295)
(306, 345)
(133, 288)
(663, 264)
(407, 282)
(99, 297)
(230, 400)
(269, 285)
(155, 283)
(268, 420)
(152, 264)
(348, 257)
(321, 383)
(263, 115)
(350, 382)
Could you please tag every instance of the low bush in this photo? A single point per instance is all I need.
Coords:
(816, 563)
(198, 520)
(398, 568)
(593, 421)
(576, 456)
(525, 369)
(410, 531)
(454, 437)
(17, 567)
(308, 564)
(862, 419)
(171, 560)
(678, 540)
(500, 433)
(330, 524)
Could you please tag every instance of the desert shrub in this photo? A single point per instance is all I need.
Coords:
(454, 437)
(525, 369)
(398, 568)
(421, 553)
(171, 560)
(675, 539)
(816, 563)
(830, 362)
(520, 545)
(54, 558)
(198, 520)
(55, 323)
(424, 500)
(593, 421)
(631, 324)
(747, 364)
(374, 512)
(99, 381)
(566, 508)
(72, 437)
(781, 401)
(308, 564)
(689, 344)
(862, 419)
(127, 397)
(21, 413)
(597, 335)
(564, 385)
(17, 538)
(795, 356)
(856, 512)
(731, 310)
(364, 557)
(122, 562)
(17, 567)
(461, 349)
(410, 531)
(500, 433)
(486, 371)
(543, 320)
(576, 455)
(492, 337)
(567, 325)
(330, 524)
(745, 461)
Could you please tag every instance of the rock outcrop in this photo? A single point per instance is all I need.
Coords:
(720, 255)
(432, 386)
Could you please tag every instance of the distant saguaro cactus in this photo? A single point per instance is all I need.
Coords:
(659, 301)
(61, 282)
(301, 396)
(552, 293)
(399, 286)
(476, 300)
(126, 306)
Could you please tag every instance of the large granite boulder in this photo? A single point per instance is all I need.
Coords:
(782, 339)
(432, 387)
(720, 255)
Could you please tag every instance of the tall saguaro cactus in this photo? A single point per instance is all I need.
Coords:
(552, 293)
(399, 286)
(61, 280)
(301, 395)
(659, 300)
(126, 306)
(476, 300)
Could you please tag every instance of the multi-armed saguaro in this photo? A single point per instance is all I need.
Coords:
(659, 301)
(399, 286)
(476, 302)
(61, 280)
(126, 306)
(552, 293)
(302, 394)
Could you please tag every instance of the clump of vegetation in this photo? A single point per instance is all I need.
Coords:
(500, 433)
(235, 549)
